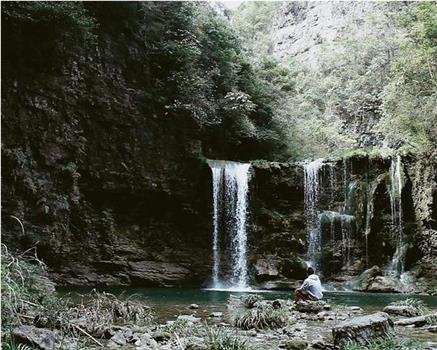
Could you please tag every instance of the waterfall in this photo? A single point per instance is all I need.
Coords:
(346, 233)
(216, 185)
(230, 201)
(312, 194)
(397, 264)
(346, 223)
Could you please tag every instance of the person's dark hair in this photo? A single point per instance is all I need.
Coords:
(310, 271)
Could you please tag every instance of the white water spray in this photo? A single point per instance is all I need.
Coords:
(230, 201)
(312, 195)
(397, 265)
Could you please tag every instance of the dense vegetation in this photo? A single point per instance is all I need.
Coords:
(215, 70)
(194, 67)
(382, 75)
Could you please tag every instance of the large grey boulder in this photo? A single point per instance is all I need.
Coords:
(402, 310)
(310, 306)
(267, 268)
(362, 329)
(40, 338)
(418, 321)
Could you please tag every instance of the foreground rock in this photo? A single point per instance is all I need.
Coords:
(418, 321)
(37, 337)
(362, 329)
(402, 310)
(310, 306)
(294, 344)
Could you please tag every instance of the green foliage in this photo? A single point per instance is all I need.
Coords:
(21, 285)
(254, 22)
(409, 105)
(413, 302)
(41, 35)
(220, 339)
(249, 301)
(386, 344)
(68, 19)
(183, 328)
(381, 78)
(262, 317)
(251, 312)
(10, 345)
(432, 291)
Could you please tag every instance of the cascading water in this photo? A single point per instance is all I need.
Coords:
(347, 220)
(397, 264)
(312, 194)
(230, 200)
(216, 183)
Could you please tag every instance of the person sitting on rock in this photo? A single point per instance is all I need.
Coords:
(311, 288)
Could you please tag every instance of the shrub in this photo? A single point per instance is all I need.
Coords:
(219, 339)
(386, 344)
(93, 312)
(250, 300)
(260, 317)
(416, 303)
(23, 283)
(251, 311)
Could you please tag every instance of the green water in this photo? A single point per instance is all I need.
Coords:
(171, 302)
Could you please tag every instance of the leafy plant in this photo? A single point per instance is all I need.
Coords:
(413, 302)
(249, 301)
(250, 312)
(11, 345)
(386, 344)
(23, 283)
(220, 339)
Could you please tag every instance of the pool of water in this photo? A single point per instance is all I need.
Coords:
(168, 303)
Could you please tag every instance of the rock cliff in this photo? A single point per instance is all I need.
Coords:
(111, 193)
(304, 28)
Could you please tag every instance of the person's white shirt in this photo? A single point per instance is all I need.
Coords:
(313, 287)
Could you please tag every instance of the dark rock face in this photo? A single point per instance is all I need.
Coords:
(108, 192)
(356, 224)
(112, 193)
(362, 329)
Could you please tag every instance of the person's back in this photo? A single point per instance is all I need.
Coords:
(311, 288)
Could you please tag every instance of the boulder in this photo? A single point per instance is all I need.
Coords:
(402, 310)
(37, 337)
(161, 336)
(383, 284)
(362, 329)
(119, 338)
(189, 318)
(294, 344)
(216, 314)
(418, 321)
(310, 306)
(267, 268)
(193, 306)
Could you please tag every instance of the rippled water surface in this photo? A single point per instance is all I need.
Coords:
(170, 302)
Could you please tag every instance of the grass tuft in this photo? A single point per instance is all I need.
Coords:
(220, 339)
(413, 302)
(386, 344)
(254, 313)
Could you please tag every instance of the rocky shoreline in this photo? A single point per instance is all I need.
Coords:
(311, 325)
